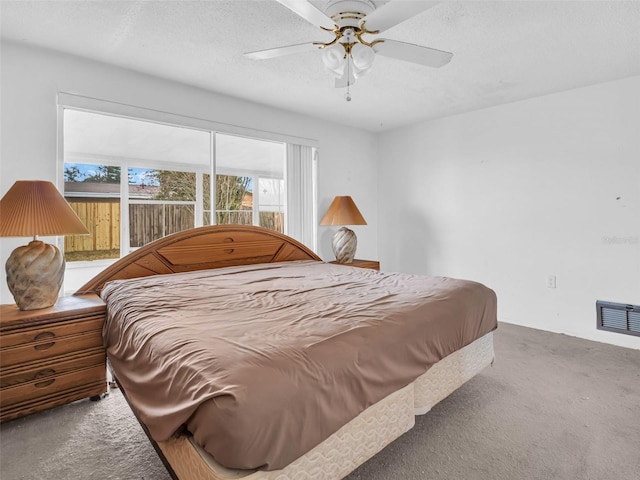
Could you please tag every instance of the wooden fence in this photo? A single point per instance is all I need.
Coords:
(147, 222)
(102, 219)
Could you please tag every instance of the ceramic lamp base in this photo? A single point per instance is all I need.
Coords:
(34, 275)
(344, 245)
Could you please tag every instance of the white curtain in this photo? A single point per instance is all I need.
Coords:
(300, 173)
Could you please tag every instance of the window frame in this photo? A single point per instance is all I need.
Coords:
(102, 107)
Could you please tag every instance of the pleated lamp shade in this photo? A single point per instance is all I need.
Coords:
(35, 271)
(36, 208)
(343, 211)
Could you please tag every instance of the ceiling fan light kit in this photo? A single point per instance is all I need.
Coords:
(359, 58)
(350, 55)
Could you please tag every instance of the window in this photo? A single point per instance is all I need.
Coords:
(250, 181)
(271, 203)
(161, 202)
(234, 200)
(133, 181)
(158, 195)
(93, 191)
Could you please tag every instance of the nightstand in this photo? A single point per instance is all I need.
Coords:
(372, 264)
(51, 356)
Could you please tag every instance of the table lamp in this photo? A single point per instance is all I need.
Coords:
(35, 271)
(343, 211)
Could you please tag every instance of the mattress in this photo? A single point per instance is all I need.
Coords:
(222, 351)
(358, 440)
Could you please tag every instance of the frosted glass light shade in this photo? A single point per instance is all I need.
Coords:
(359, 60)
(362, 59)
(334, 59)
(35, 271)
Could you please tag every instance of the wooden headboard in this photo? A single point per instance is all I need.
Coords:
(201, 248)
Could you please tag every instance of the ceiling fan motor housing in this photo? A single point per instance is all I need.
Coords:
(348, 13)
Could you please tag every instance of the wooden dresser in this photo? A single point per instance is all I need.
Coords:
(51, 356)
(372, 264)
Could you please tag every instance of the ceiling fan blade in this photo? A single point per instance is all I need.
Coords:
(395, 12)
(281, 51)
(409, 52)
(345, 80)
(310, 13)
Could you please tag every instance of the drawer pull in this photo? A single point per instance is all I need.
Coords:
(44, 346)
(44, 383)
(229, 251)
(44, 335)
(47, 372)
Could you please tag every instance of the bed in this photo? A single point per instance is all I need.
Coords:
(296, 368)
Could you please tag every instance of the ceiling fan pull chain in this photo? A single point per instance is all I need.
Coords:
(347, 96)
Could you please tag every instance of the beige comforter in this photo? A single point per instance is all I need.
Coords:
(263, 362)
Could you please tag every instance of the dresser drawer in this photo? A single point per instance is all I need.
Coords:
(46, 334)
(49, 385)
(48, 348)
(38, 370)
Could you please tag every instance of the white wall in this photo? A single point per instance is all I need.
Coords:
(505, 195)
(511, 194)
(31, 79)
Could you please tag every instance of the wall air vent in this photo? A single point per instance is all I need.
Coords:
(618, 317)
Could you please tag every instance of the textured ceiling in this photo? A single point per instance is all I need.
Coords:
(504, 51)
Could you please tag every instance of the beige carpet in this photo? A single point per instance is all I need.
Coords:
(552, 407)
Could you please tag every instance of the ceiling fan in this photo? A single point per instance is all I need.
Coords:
(354, 25)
